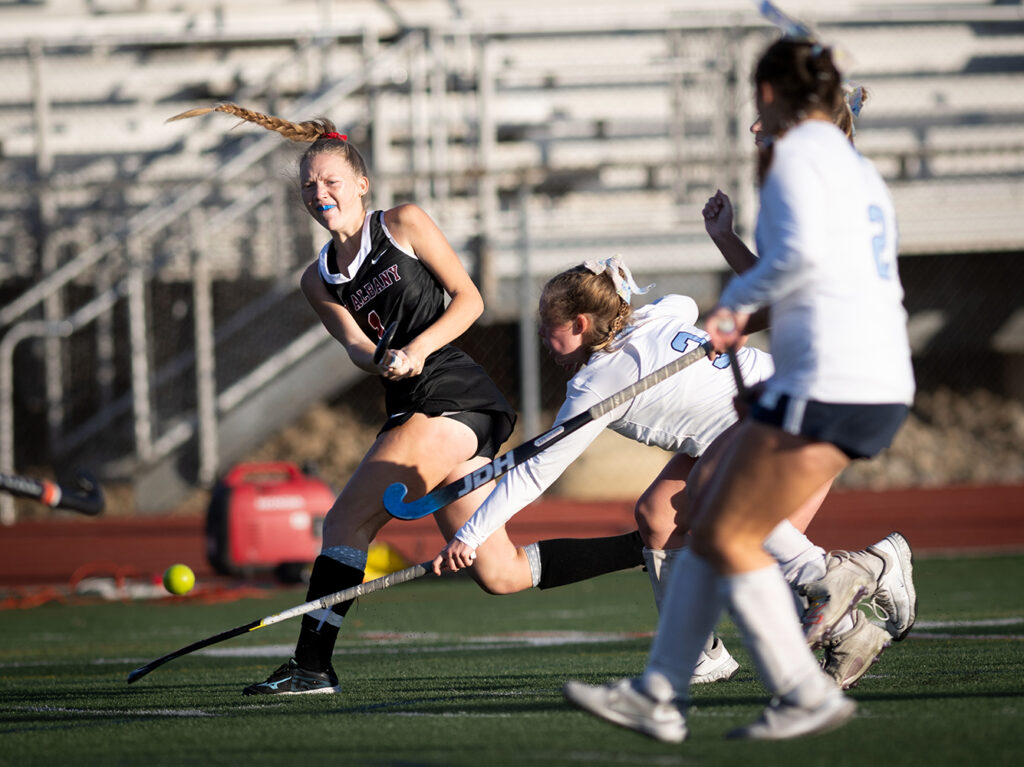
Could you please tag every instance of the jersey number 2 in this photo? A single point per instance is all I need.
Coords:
(880, 243)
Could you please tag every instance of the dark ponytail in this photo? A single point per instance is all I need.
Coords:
(804, 78)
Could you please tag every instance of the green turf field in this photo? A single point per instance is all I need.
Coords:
(437, 673)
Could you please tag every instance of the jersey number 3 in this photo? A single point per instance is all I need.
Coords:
(684, 342)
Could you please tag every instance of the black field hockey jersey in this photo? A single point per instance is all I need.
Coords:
(390, 285)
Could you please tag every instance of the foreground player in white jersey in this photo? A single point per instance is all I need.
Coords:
(855, 642)
(842, 387)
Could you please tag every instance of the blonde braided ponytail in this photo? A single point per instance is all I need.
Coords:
(306, 132)
(320, 133)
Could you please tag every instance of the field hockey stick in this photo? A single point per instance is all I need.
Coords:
(86, 497)
(384, 344)
(728, 326)
(734, 362)
(786, 24)
(395, 493)
(377, 584)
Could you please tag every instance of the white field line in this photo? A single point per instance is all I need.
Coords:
(930, 635)
(926, 629)
(420, 642)
(979, 623)
(112, 711)
(393, 644)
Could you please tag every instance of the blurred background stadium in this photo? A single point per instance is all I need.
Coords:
(150, 325)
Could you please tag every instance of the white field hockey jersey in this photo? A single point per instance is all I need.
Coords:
(683, 413)
(827, 241)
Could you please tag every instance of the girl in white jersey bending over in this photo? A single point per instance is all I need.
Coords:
(589, 327)
(827, 269)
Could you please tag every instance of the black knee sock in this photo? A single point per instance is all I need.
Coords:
(316, 639)
(568, 560)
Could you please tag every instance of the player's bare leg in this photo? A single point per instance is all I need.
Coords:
(662, 515)
(765, 473)
(770, 473)
(420, 453)
(501, 567)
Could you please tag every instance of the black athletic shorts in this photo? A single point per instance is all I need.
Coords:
(455, 386)
(860, 431)
(491, 429)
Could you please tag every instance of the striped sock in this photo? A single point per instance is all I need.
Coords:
(337, 568)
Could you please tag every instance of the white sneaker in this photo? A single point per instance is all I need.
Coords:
(781, 720)
(896, 596)
(847, 580)
(849, 655)
(714, 665)
(626, 704)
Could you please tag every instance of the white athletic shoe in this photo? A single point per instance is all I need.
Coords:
(896, 596)
(626, 704)
(846, 582)
(714, 665)
(849, 655)
(781, 720)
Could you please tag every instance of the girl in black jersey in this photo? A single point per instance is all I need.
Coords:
(446, 417)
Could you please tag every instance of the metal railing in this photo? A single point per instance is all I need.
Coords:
(442, 128)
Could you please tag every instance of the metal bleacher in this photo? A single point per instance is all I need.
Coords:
(150, 322)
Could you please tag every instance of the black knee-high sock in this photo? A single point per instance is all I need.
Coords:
(568, 560)
(316, 640)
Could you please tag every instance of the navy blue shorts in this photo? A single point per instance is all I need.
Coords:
(860, 431)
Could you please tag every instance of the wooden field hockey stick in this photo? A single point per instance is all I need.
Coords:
(377, 584)
(85, 498)
(395, 493)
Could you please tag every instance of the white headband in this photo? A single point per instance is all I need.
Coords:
(626, 286)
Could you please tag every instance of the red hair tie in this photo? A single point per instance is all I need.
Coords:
(335, 134)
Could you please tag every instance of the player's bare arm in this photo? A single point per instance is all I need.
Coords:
(718, 222)
(416, 232)
(337, 320)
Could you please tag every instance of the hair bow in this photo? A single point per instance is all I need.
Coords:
(855, 99)
(626, 286)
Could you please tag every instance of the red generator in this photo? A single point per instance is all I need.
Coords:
(266, 516)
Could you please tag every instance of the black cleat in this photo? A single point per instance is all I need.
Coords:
(291, 679)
